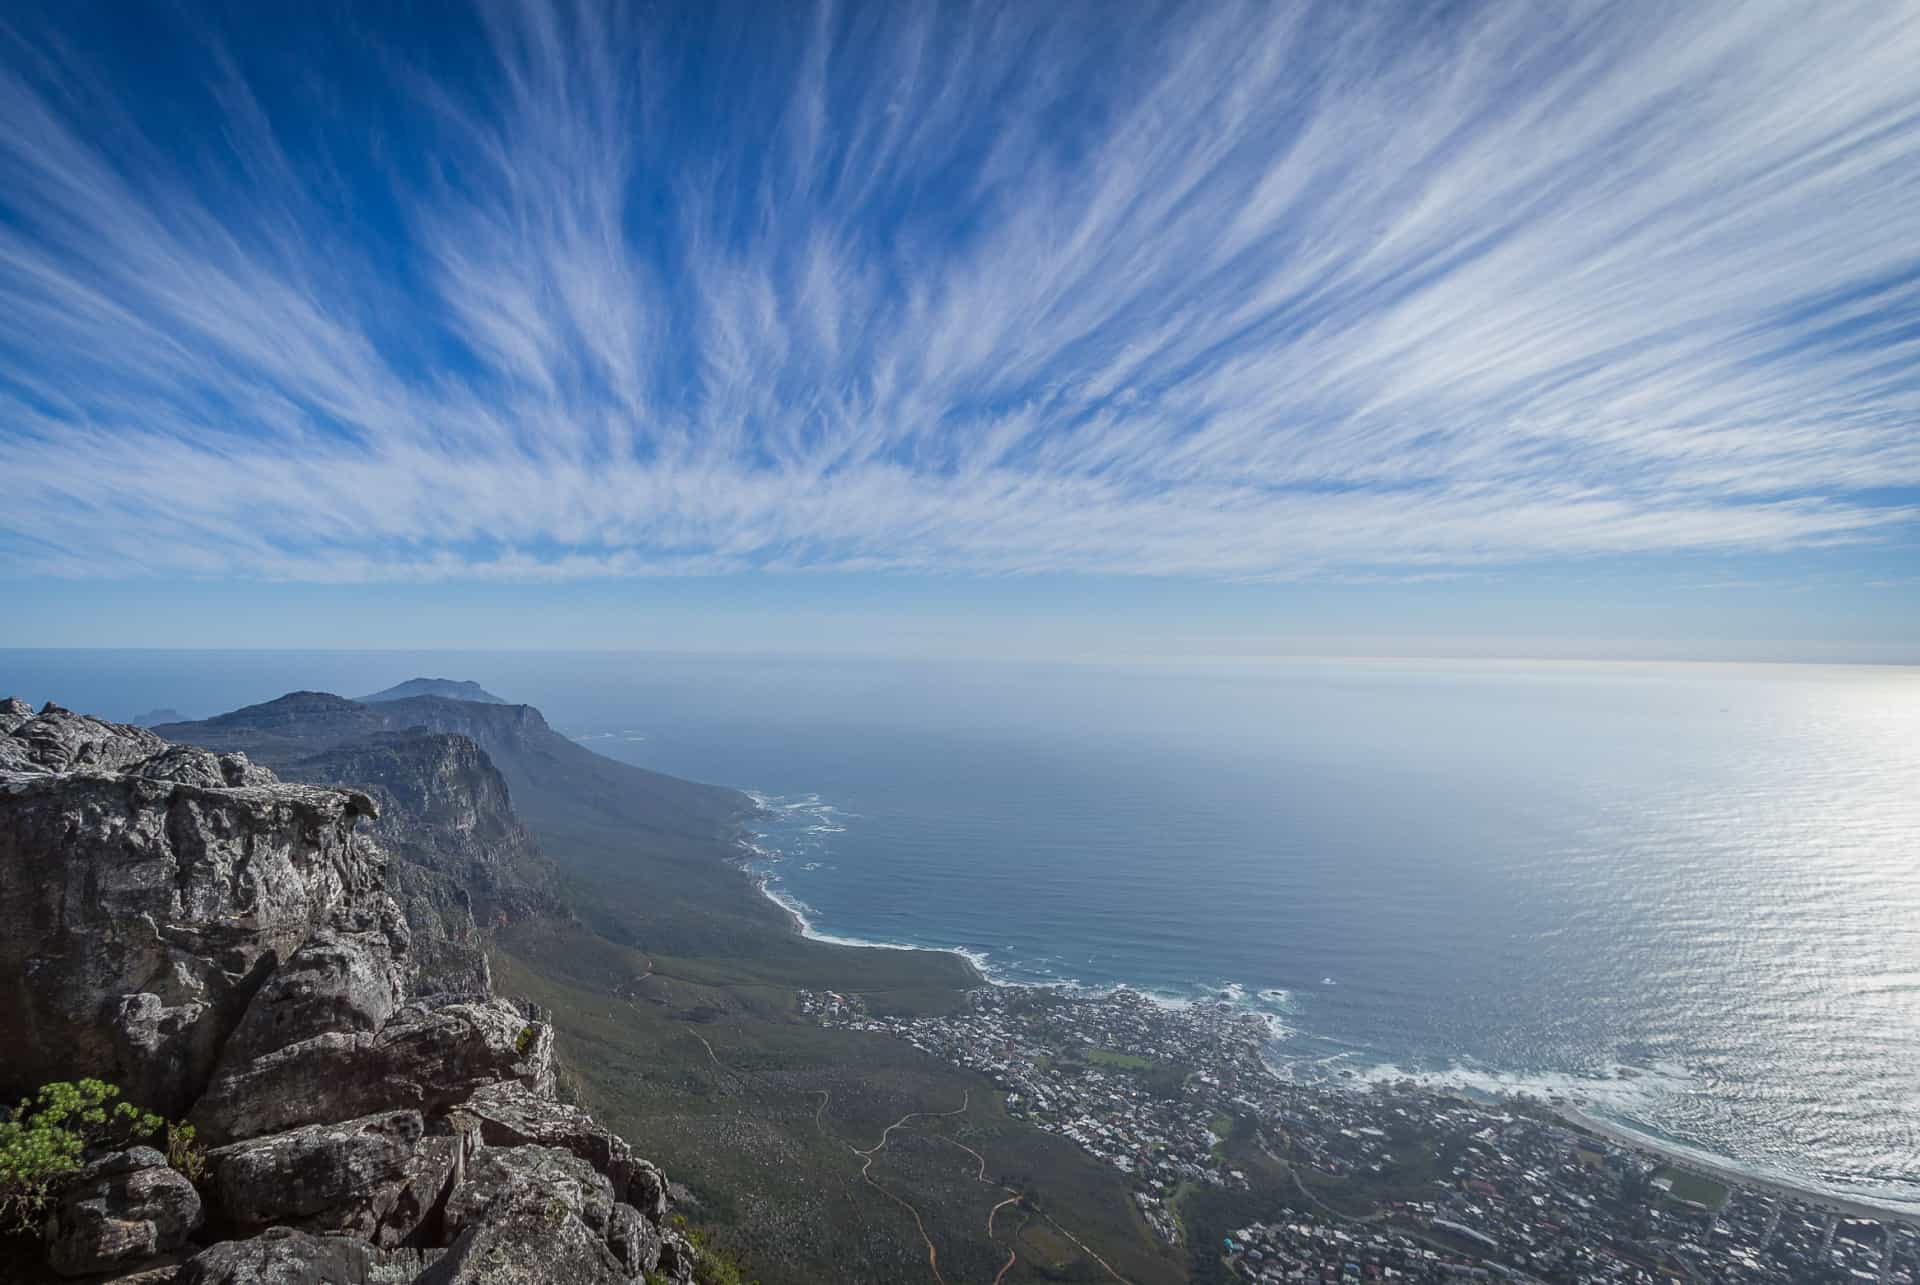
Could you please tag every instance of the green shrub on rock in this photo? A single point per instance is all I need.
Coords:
(49, 1134)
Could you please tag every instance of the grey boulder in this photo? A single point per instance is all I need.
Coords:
(286, 1256)
(426, 1060)
(501, 1178)
(379, 1177)
(532, 1241)
(512, 1115)
(635, 1242)
(60, 740)
(121, 1208)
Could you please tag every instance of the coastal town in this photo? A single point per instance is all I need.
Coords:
(1370, 1181)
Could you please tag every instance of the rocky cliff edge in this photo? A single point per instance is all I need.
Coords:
(223, 946)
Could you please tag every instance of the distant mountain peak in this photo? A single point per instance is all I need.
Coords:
(449, 688)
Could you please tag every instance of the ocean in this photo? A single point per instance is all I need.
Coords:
(1687, 896)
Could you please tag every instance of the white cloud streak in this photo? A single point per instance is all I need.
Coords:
(1244, 292)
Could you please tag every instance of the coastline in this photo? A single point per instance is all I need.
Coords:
(1727, 1171)
(748, 852)
(803, 927)
(974, 960)
(1644, 1144)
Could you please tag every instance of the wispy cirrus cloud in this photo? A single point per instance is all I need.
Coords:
(1236, 292)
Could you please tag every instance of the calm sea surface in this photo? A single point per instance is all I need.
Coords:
(1688, 894)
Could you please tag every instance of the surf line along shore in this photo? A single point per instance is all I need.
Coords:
(1779, 1188)
(1642, 1144)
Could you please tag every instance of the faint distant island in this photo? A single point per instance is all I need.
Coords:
(155, 717)
(449, 688)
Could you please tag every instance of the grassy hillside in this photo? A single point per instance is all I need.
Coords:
(767, 1118)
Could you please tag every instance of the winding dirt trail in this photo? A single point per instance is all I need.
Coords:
(866, 1175)
(720, 1066)
(965, 1096)
(1087, 1251)
(1012, 1197)
(869, 1154)
(981, 1176)
(1013, 1253)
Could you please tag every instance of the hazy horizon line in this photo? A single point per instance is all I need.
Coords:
(1563, 657)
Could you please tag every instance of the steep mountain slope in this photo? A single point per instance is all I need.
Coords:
(545, 770)
(443, 805)
(462, 862)
(649, 850)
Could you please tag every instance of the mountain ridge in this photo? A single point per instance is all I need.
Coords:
(653, 845)
(451, 688)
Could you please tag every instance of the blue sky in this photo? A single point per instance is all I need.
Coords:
(1049, 329)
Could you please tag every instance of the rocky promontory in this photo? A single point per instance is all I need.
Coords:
(226, 948)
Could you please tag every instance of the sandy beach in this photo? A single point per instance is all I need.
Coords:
(1652, 1149)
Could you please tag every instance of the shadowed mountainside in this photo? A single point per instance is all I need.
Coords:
(652, 847)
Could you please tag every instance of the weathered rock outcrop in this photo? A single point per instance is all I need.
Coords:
(124, 1207)
(380, 1177)
(140, 911)
(508, 1114)
(463, 862)
(424, 1059)
(223, 945)
(59, 740)
(448, 946)
(288, 1256)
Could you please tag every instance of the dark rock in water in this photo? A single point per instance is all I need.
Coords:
(120, 1209)
(449, 688)
(155, 717)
